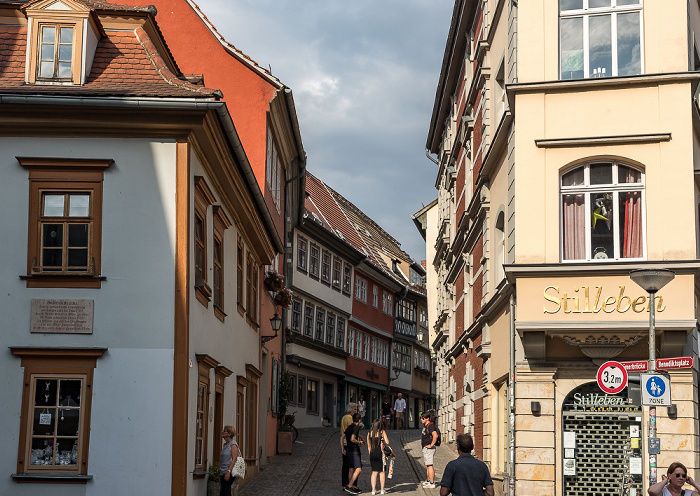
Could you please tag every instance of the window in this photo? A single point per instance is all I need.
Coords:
(340, 335)
(358, 344)
(415, 277)
(65, 222)
(347, 278)
(221, 223)
(384, 354)
(402, 357)
(337, 269)
(301, 253)
(301, 391)
(308, 319)
(320, 322)
(351, 341)
(600, 38)
(360, 289)
(312, 396)
(602, 212)
(203, 197)
(375, 297)
(330, 328)
(55, 52)
(326, 267)
(314, 253)
(296, 314)
(499, 258)
(387, 303)
(252, 290)
(293, 386)
(200, 450)
(374, 350)
(367, 348)
(239, 275)
(55, 417)
(273, 170)
(423, 318)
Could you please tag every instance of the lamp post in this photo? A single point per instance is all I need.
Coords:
(651, 281)
(275, 323)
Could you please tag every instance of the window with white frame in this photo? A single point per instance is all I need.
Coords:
(383, 353)
(296, 314)
(373, 340)
(358, 344)
(320, 323)
(387, 303)
(314, 254)
(273, 171)
(302, 244)
(367, 348)
(340, 333)
(375, 297)
(600, 38)
(337, 272)
(326, 267)
(330, 328)
(360, 289)
(602, 212)
(351, 341)
(308, 319)
(401, 359)
(347, 278)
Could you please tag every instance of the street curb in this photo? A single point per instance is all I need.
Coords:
(417, 467)
(310, 468)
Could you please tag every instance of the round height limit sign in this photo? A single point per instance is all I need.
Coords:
(612, 377)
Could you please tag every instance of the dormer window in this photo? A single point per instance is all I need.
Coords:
(56, 54)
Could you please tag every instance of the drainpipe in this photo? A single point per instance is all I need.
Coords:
(511, 402)
(427, 154)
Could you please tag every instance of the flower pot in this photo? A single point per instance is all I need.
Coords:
(213, 488)
(284, 443)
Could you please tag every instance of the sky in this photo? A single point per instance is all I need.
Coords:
(364, 75)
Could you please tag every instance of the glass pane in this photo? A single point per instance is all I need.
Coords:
(42, 451)
(46, 69)
(78, 257)
(47, 52)
(48, 34)
(64, 69)
(44, 421)
(69, 392)
(51, 257)
(628, 47)
(573, 178)
(53, 235)
(65, 52)
(78, 235)
(53, 205)
(68, 420)
(600, 46)
(67, 452)
(630, 219)
(601, 173)
(66, 35)
(602, 242)
(571, 48)
(571, 4)
(79, 206)
(628, 175)
(628, 2)
(45, 392)
(592, 4)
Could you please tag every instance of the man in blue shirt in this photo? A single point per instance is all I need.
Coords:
(466, 476)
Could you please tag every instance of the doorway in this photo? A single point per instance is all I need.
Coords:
(328, 403)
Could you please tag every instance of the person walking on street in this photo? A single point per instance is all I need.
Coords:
(362, 410)
(375, 449)
(399, 409)
(350, 409)
(354, 443)
(466, 476)
(428, 438)
(228, 457)
(386, 412)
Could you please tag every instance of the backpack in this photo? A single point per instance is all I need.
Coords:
(439, 438)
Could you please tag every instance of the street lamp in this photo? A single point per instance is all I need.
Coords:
(275, 323)
(651, 281)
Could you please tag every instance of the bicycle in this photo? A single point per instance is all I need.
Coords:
(289, 425)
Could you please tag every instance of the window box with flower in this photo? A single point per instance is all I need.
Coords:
(273, 281)
(283, 297)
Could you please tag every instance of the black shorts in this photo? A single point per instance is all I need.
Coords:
(375, 460)
(354, 459)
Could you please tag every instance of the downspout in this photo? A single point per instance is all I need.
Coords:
(511, 402)
(427, 154)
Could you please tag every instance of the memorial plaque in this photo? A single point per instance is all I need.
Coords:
(62, 316)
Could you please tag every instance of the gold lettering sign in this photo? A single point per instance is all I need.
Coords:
(586, 299)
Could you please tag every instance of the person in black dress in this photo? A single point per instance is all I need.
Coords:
(374, 448)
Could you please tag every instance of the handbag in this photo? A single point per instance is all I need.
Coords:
(387, 449)
(239, 468)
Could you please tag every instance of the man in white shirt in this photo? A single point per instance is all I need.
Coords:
(399, 410)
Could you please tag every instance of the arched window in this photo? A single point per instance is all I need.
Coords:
(600, 38)
(602, 212)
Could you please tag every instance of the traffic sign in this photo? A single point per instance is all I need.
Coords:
(685, 362)
(656, 390)
(636, 366)
(612, 377)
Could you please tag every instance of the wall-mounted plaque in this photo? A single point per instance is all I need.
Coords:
(62, 316)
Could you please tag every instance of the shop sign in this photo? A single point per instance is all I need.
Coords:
(656, 390)
(597, 402)
(685, 362)
(594, 299)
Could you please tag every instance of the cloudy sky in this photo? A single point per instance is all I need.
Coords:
(364, 75)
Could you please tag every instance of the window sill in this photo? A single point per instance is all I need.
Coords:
(63, 281)
(203, 295)
(199, 474)
(52, 478)
(241, 309)
(220, 314)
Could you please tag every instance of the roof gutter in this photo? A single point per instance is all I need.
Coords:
(161, 103)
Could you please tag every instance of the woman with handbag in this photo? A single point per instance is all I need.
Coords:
(228, 458)
(377, 446)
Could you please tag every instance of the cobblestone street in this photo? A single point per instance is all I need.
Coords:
(313, 469)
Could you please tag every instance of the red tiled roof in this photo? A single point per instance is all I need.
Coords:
(126, 63)
(93, 4)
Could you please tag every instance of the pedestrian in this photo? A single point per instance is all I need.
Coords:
(428, 438)
(386, 412)
(466, 476)
(672, 483)
(354, 443)
(350, 409)
(227, 458)
(362, 410)
(399, 409)
(377, 443)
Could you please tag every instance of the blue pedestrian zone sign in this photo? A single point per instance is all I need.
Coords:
(656, 390)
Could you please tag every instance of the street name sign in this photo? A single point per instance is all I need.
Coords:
(612, 377)
(656, 390)
(685, 362)
(636, 366)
